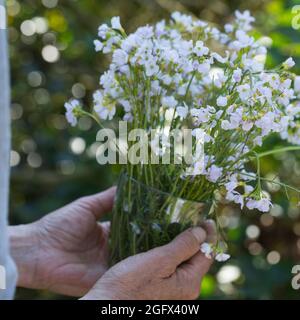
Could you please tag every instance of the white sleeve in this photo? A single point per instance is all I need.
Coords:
(8, 272)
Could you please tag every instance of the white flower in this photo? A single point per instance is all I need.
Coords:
(236, 114)
(206, 249)
(195, 169)
(128, 117)
(182, 111)
(219, 58)
(126, 105)
(107, 80)
(151, 68)
(244, 19)
(130, 43)
(232, 184)
(244, 91)
(120, 57)
(116, 24)
(228, 27)
(288, 63)
(297, 84)
(98, 97)
(221, 257)
(267, 123)
(109, 44)
(199, 49)
(71, 108)
(160, 28)
(155, 88)
(202, 67)
(262, 205)
(222, 101)
(243, 39)
(247, 125)
(166, 79)
(172, 56)
(235, 197)
(98, 45)
(218, 77)
(252, 64)
(203, 114)
(104, 110)
(145, 32)
(273, 79)
(237, 75)
(214, 173)
(266, 94)
(183, 19)
(285, 97)
(169, 102)
(257, 141)
(103, 31)
(244, 16)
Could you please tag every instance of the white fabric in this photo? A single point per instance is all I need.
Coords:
(5, 260)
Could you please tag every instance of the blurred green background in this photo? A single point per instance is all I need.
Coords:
(53, 58)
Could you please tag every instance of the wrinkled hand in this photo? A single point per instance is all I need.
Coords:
(173, 271)
(67, 250)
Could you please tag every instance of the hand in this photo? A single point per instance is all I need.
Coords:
(66, 251)
(173, 271)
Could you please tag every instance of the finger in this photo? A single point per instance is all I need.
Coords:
(102, 202)
(197, 266)
(186, 245)
(211, 230)
(190, 274)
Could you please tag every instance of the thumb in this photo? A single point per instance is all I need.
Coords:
(198, 265)
(187, 244)
(102, 202)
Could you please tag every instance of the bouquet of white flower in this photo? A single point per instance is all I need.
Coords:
(187, 74)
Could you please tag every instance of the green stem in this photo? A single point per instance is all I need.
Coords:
(272, 181)
(278, 150)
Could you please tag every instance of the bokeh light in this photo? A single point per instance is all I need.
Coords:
(228, 274)
(28, 28)
(266, 220)
(50, 3)
(77, 145)
(34, 78)
(34, 160)
(50, 54)
(255, 248)
(252, 232)
(273, 257)
(14, 158)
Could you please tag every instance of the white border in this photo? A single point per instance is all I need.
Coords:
(2, 17)
(2, 278)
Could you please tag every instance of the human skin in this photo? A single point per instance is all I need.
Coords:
(170, 272)
(67, 252)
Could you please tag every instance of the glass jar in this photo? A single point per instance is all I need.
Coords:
(145, 217)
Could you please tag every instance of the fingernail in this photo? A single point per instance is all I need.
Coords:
(199, 234)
